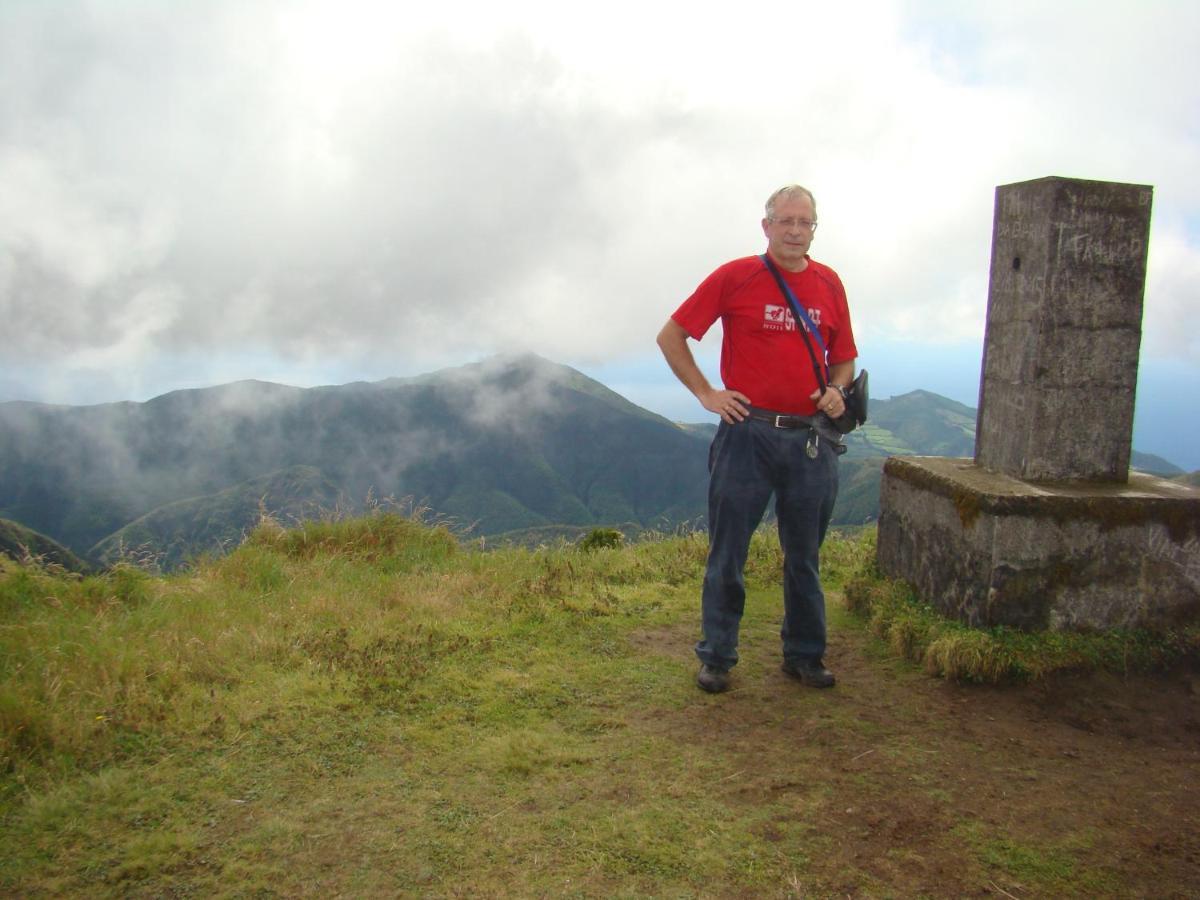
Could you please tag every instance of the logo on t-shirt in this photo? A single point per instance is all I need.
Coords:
(780, 318)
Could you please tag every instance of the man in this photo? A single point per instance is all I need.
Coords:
(773, 437)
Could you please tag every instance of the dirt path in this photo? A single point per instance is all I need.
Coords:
(1081, 786)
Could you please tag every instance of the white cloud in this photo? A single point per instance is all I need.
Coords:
(313, 190)
(1172, 299)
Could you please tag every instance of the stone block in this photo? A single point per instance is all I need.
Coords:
(990, 549)
(1063, 329)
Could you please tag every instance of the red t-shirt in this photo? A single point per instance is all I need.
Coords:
(762, 355)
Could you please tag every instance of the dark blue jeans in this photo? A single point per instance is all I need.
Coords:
(747, 463)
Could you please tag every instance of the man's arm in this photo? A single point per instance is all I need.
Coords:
(729, 405)
(842, 373)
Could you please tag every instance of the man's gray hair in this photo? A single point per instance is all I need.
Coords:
(787, 192)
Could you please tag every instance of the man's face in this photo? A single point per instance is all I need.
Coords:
(789, 232)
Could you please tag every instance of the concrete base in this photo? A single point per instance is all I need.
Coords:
(990, 549)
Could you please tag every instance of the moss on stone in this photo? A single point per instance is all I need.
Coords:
(975, 491)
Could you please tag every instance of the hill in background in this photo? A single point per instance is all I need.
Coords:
(510, 444)
(21, 543)
(216, 524)
(515, 448)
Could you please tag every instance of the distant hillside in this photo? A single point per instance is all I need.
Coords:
(176, 532)
(511, 444)
(516, 448)
(917, 422)
(20, 543)
(1153, 465)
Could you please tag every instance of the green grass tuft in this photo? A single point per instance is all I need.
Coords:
(384, 535)
(950, 649)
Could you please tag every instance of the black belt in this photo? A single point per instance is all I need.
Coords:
(780, 420)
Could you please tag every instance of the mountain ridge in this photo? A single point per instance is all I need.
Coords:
(514, 443)
(509, 445)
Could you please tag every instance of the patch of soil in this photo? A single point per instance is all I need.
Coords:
(1079, 785)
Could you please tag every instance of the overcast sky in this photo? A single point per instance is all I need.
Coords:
(321, 192)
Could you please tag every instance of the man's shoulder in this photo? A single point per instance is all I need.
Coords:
(743, 265)
(824, 272)
(732, 276)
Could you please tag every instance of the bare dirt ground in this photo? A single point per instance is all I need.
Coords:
(1084, 785)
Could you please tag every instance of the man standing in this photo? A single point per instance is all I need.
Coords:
(773, 437)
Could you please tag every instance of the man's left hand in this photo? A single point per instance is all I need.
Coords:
(830, 402)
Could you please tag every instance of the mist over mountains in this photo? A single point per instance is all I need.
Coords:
(505, 445)
(509, 446)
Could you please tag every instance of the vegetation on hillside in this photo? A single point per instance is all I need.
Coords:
(173, 534)
(514, 449)
(520, 443)
(25, 545)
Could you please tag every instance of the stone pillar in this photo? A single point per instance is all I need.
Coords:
(1046, 528)
(1063, 334)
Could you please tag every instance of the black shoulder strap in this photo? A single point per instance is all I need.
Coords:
(802, 320)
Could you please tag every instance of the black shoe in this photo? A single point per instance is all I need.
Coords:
(809, 671)
(712, 679)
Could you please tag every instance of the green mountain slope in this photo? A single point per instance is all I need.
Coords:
(20, 543)
(176, 532)
(919, 422)
(510, 444)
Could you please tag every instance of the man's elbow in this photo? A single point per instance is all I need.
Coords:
(671, 336)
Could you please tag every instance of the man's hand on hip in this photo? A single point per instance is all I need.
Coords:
(729, 405)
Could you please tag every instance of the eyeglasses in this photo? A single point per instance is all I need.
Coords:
(789, 224)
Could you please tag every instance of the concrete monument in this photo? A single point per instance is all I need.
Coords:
(1046, 527)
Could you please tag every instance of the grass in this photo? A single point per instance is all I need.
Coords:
(366, 708)
(944, 647)
(303, 657)
(1051, 866)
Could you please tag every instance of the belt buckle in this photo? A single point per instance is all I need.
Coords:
(778, 423)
